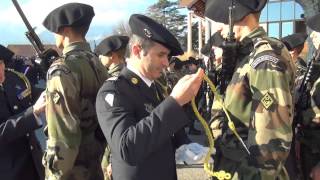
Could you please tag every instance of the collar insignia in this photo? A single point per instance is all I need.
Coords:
(134, 80)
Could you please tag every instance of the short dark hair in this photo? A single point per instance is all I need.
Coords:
(82, 30)
(145, 44)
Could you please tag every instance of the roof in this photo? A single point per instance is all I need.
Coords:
(27, 50)
(197, 6)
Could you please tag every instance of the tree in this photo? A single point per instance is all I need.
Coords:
(122, 28)
(167, 13)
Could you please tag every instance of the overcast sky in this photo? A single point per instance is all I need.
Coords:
(108, 14)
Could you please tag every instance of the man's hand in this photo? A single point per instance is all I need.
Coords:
(40, 105)
(187, 87)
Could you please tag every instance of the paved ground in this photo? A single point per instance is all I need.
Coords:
(194, 172)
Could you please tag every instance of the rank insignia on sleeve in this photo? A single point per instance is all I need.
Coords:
(56, 98)
(134, 80)
(267, 101)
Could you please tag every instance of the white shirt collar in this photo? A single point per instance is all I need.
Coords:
(134, 70)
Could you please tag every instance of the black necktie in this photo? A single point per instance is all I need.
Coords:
(154, 91)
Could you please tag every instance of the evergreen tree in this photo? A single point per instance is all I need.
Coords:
(167, 13)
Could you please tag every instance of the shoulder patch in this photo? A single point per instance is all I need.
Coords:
(109, 99)
(258, 42)
(263, 58)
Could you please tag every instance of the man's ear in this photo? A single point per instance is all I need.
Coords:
(136, 50)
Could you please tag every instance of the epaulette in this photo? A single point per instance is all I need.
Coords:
(56, 69)
(264, 51)
(258, 42)
(24, 78)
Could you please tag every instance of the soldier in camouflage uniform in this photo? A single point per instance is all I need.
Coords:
(295, 44)
(258, 98)
(309, 130)
(111, 52)
(73, 80)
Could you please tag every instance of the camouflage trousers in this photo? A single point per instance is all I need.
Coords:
(105, 163)
(64, 163)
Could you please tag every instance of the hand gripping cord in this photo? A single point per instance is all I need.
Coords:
(221, 175)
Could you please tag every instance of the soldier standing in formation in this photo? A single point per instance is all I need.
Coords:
(73, 80)
(309, 125)
(258, 98)
(20, 150)
(141, 126)
(295, 44)
(111, 52)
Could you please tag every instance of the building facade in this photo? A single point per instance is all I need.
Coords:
(282, 17)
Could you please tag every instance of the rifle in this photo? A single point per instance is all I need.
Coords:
(44, 57)
(229, 59)
(307, 82)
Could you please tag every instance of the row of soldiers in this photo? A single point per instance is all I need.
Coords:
(137, 117)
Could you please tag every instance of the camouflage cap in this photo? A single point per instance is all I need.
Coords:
(69, 15)
(217, 10)
(294, 40)
(5, 54)
(147, 28)
(111, 44)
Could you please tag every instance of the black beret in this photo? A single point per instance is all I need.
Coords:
(71, 14)
(147, 28)
(218, 10)
(111, 44)
(5, 54)
(314, 22)
(294, 40)
(215, 40)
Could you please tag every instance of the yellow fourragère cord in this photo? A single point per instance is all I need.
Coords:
(221, 175)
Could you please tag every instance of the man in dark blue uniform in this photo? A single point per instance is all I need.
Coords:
(142, 127)
(20, 152)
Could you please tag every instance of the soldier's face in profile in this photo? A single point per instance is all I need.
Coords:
(155, 61)
(2, 68)
(105, 60)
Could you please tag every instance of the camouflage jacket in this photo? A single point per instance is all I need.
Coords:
(72, 85)
(259, 101)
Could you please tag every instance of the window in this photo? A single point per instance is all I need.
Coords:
(282, 17)
(287, 28)
(274, 11)
(264, 14)
(274, 30)
(287, 10)
(298, 11)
